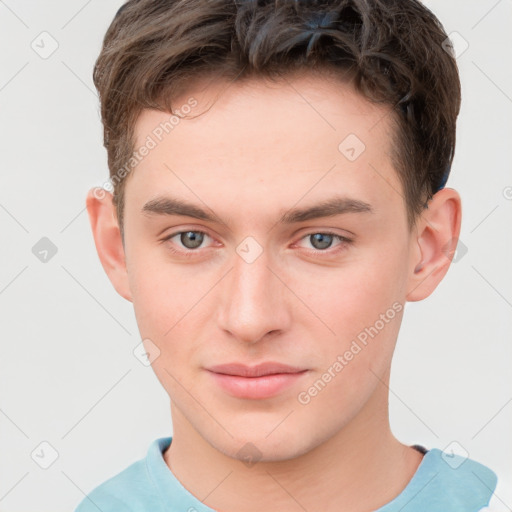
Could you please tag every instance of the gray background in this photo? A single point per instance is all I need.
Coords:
(68, 374)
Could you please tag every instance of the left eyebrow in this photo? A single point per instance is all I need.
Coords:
(329, 208)
(334, 206)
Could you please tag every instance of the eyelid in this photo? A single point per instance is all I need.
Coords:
(344, 240)
(166, 238)
(184, 252)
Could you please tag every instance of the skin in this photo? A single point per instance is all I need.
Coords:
(259, 151)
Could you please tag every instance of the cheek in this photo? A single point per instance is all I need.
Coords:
(362, 304)
(163, 293)
(172, 308)
(351, 297)
(353, 362)
(167, 306)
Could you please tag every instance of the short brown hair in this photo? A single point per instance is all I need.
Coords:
(394, 51)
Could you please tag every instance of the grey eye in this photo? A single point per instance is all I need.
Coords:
(321, 240)
(191, 239)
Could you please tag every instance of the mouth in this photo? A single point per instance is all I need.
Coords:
(255, 382)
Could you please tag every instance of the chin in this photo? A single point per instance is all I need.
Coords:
(281, 445)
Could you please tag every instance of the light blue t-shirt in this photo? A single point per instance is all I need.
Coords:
(442, 483)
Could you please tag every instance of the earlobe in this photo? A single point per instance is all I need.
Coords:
(107, 238)
(434, 243)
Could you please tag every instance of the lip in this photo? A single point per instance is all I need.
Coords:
(258, 382)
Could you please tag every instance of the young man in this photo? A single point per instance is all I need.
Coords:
(278, 172)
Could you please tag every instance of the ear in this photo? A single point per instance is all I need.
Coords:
(107, 237)
(434, 243)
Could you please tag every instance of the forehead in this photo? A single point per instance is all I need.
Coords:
(266, 143)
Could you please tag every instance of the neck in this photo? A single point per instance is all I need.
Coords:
(361, 468)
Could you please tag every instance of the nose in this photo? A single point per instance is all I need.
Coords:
(255, 301)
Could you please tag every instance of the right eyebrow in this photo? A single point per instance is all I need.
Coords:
(173, 206)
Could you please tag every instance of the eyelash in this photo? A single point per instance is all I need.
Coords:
(192, 253)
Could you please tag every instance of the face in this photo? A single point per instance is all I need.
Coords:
(294, 250)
